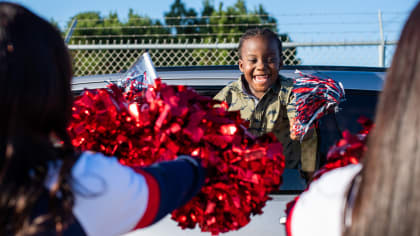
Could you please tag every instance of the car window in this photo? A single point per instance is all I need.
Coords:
(358, 103)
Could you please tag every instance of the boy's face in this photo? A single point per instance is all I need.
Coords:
(260, 63)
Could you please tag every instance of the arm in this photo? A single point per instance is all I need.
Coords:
(309, 144)
(223, 95)
(309, 148)
(177, 182)
(112, 199)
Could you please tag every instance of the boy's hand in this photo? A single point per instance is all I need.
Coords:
(294, 136)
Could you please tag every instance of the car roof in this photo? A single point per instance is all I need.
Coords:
(358, 78)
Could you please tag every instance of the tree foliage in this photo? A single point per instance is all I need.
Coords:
(181, 23)
(92, 26)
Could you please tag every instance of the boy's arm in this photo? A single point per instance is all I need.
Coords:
(309, 148)
(309, 144)
(222, 95)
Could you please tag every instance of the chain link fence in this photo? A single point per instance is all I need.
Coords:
(104, 61)
(91, 59)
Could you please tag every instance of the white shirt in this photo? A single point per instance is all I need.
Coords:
(320, 209)
(99, 204)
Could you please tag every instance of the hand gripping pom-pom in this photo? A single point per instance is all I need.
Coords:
(314, 98)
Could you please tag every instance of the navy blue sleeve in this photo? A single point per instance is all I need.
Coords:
(178, 181)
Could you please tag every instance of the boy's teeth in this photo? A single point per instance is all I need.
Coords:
(260, 77)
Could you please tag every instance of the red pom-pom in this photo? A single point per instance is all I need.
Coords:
(348, 150)
(162, 122)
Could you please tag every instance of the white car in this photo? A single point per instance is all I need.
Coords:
(362, 86)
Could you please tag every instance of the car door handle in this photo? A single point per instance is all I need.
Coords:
(283, 220)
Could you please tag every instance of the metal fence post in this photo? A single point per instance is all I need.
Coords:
(381, 46)
(70, 31)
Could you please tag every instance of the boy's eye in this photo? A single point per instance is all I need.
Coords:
(253, 60)
(271, 59)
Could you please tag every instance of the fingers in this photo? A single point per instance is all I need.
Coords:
(293, 135)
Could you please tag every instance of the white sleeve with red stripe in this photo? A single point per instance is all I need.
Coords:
(319, 210)
(110, 194)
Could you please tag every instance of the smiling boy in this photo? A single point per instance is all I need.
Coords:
(264, 97)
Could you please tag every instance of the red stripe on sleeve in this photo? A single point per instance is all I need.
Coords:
(289, 218)
(153, 202)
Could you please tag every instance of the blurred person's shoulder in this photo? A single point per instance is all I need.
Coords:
(320, 208)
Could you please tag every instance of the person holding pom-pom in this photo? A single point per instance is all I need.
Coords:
(265, 98)
(46, 187)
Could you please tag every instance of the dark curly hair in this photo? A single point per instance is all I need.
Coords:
(35, 101)
(259, 32)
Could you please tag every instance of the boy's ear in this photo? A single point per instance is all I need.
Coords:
(241, 65)
(281, 62)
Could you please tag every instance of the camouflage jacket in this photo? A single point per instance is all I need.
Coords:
(271, 114)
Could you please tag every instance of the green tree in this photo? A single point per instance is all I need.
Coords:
(94, 28)
(236, 19)
(88, 24)
(179, 15)
(143, 27)
(228, 25)
(181, 24)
